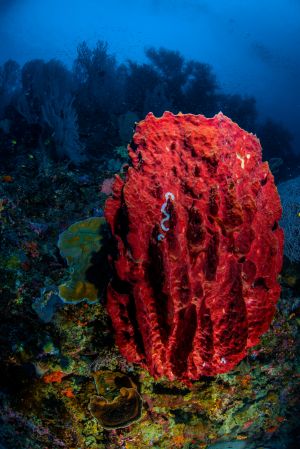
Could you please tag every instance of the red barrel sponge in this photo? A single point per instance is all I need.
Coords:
(199, 248)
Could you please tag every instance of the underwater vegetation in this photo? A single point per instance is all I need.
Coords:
(67, 380)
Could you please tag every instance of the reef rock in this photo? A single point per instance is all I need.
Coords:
(199, 248)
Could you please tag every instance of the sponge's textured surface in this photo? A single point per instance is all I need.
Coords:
(198, 246)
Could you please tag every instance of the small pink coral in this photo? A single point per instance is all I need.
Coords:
(107, 186)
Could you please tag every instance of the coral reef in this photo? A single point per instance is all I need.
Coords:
(289, 192)
(123, 409)
(78, 244)
(199, 246)
(55, 356)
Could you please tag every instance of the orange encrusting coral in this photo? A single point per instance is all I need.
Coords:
(68, 392)
(199, 246)
(55, 376)
(7, 178)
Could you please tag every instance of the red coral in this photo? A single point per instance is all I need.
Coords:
(199, 247)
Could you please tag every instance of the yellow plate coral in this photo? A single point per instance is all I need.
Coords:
(77, 245)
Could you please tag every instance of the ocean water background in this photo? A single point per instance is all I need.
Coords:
(251, 46)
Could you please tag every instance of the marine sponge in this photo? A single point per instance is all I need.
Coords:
(199, 247)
